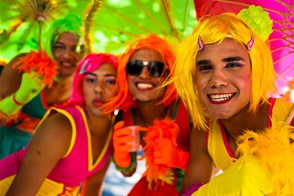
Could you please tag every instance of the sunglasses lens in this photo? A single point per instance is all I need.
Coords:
(156, 69)
(134, 68)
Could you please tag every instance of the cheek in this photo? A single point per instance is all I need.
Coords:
(244, 81)
(111, 92)
(200, 84)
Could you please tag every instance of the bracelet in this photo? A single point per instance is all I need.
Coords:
(15, 101)
(131, 167)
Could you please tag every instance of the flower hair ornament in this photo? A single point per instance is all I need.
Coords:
(257, 19)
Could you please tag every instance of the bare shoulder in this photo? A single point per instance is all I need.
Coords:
(54, 133)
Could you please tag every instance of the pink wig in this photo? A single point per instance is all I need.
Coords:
(89, 64)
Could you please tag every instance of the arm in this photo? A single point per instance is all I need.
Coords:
(200, 165)
(93, 184)
(11, 77)
(48, 146)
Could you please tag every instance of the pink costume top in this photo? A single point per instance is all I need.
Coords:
(220, 150)
(77, 164)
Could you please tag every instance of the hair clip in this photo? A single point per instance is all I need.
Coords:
(200, 44)
(83, 68)
(250, 43)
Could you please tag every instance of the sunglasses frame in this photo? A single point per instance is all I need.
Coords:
(152, 67)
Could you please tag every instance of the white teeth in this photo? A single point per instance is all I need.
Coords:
(66, 64)
(220, 97)
(144, 85)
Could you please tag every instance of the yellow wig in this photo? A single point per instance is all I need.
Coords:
(124, 100)
(212, 30)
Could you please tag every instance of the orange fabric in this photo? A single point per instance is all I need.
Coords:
(158, 133)
(121, 136)
(39, 62)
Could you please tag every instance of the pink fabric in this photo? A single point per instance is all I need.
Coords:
(71, 170)
(226, 142)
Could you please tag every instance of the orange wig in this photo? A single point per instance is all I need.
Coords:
(124, 100)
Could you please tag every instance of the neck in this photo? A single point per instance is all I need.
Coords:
(247, 120)
(98, 125)
(149, 112)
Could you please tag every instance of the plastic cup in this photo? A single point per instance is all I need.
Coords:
(136, 142)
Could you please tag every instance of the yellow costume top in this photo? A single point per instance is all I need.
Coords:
(220, 151)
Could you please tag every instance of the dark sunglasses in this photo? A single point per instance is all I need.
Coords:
(155, 68)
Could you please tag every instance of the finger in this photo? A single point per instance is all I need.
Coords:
(125, 139)
(125, 148)
(122, 132)
(119, 125)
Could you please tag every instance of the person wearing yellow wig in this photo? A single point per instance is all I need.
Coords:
(224, 74)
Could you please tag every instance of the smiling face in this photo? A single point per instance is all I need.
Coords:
(65, 53)
(99, 87)
(144, 87)
(223, 78)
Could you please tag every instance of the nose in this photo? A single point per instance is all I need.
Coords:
(99, 88)
(218, 78)
(69, 53)
(145, 73)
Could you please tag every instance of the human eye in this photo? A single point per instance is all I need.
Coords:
(204, 68)
(90, 79)
(234, 65)
(110, 81)
(58, 46)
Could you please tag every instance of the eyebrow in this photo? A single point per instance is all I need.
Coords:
(234, 58)
(93, 74)
(229, 59)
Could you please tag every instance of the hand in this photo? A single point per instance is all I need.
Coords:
(169, 154)
(122, 139)
(30, 86)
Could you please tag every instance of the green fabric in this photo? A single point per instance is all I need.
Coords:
(30, 86)
(12, 138)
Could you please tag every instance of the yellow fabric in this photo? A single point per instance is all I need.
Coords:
(216, 146)
(244, 178)
(48, 188)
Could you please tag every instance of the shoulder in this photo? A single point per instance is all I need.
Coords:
(56, 122)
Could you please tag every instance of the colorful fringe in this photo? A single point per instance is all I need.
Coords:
(275, 148)
(157, 172)
(41, 63)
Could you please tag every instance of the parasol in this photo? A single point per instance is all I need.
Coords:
(109, 24)
(281, 40)
(112, 23)
(22, 23)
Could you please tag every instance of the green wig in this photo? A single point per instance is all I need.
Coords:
(71, 24)
(212, 30)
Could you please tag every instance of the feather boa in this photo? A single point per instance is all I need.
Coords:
(160, 129)
(275, 148)
(41, 63)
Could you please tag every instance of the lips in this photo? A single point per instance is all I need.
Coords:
(98, 102)
(220, 98)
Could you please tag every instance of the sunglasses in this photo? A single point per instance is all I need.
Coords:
(155, 68)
